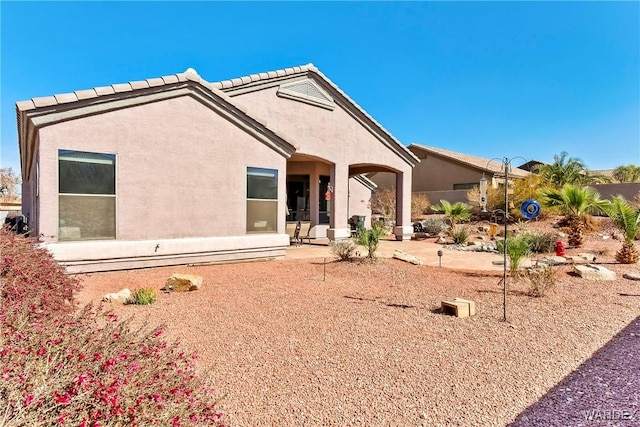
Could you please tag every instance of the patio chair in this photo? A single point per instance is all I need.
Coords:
(293, 230)
(304, 232)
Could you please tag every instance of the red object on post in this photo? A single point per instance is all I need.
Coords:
(560, 248)
(327, 195)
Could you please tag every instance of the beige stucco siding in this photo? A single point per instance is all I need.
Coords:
(181, 169)
(433, 174)
(333, 135)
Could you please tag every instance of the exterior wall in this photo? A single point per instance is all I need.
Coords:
(629, 190)
(436, 174)
(332, 135)
(180, 174)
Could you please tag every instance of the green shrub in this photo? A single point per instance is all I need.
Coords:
(370, 239)
(434, 225)
(143, 296)
(343, 249)
(540, 243)
(460, 235)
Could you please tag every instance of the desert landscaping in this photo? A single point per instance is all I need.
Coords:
(312, 341)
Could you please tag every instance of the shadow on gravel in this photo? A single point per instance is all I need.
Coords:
(393, 305)
(603, 391)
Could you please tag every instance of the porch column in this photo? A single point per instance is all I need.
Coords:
(403, 228)
(339, 227)
(314, 196)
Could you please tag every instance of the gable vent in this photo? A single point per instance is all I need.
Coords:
(306, 91)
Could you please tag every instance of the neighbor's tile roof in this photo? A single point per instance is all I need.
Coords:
(489, 165)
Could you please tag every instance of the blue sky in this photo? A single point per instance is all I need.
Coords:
(494, 79)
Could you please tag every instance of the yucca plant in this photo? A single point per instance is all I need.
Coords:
(627, 219)
(370, 239)
(517, 250)
(457, 212)
(574, 202)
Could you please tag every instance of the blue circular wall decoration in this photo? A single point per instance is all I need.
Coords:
(530, 208)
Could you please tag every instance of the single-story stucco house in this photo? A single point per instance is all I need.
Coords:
(178, 170)
(447, 175)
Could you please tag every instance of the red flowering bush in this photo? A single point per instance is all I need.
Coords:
(60, 366)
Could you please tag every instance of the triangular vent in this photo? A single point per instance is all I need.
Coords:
(306, 91)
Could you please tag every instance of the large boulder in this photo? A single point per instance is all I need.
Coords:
(594, 272)
(183, 282)
(122, 297)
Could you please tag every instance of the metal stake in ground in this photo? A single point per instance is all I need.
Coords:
(506, 165)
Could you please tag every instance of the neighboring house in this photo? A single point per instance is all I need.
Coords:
(178, 170)
(448, 175)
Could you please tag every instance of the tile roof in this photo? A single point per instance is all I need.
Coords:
(494, 166)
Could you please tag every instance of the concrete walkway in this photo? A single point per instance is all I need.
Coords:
(426, 250)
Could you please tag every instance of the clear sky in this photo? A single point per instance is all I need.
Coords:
(493, 79)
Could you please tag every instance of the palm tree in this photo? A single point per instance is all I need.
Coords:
(627, 219)
(629, 173)
(455, 213)
(563, 170)
(574, 202)
(568, 170)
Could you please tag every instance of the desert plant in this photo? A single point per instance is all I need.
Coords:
(574, 202)
(628, 173)
(420, 205)
(627, 219)
(383, 201)
(540, 242)
(540, 279)
(460, 235)
(457, 212)
(143, 296)
(517, 250)
(344, 249)
(434, 225)
(84, 367)
(370, 239)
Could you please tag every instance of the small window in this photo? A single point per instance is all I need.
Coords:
(87, 196)
(466, 186)
(262, 200)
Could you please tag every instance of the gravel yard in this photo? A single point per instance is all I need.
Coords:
(368, 345)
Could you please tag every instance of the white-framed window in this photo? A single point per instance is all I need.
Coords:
(262, 200)
(86, 196)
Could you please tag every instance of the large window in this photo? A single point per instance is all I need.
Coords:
(87, 195)
(262, 200)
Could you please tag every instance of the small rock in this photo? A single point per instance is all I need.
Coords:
(122, 297)
(631, 276)
(403, 256)
(594, 272)
(183, 282)
(441, 240)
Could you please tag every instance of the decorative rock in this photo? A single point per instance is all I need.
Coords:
(403, 256)
(594, 272)
(631, 276)
(183, 282)
(583, 258)
(553, 260)
(122, 297)
(441, 240)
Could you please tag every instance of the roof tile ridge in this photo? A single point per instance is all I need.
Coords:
(98, 91)
(265, 75)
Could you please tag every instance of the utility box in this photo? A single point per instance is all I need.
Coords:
(458, 307)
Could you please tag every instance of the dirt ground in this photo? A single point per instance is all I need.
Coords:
(310, 341)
